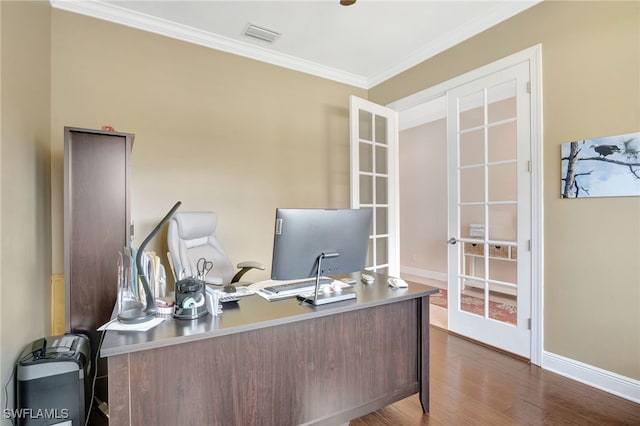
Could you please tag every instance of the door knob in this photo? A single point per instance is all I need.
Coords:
(452, 240)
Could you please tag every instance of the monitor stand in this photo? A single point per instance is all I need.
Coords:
(323, 298)
(317, 299)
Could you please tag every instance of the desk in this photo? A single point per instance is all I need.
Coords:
(275, 363)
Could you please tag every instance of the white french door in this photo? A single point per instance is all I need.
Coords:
(374, 179)
(489, 155)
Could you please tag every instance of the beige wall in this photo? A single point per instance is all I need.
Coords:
(423, 199)
(591, 87)
(24, 177)
(216, 131)
(241, 137)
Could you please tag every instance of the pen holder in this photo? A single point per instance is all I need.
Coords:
(190, 299)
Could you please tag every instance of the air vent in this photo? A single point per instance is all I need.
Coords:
(261, 33)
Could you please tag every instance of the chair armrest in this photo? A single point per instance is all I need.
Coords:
(246, 266)
(251, 265)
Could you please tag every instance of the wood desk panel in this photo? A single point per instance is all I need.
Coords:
(339, 365)
(278, 363)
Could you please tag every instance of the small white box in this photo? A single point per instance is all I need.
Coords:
(476, 230)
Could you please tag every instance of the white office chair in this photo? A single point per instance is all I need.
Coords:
(191, 236)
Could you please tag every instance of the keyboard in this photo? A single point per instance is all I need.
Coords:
(297, 287)
(289, 288)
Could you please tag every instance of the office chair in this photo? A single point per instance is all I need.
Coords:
(191, 236)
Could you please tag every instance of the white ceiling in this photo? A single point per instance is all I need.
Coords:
(362, 45)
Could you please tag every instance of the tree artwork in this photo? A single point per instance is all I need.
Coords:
(602, 167)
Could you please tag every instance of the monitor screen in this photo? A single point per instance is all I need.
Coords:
(301, 235)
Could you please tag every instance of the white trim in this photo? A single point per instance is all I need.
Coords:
(436, 109)
(123, 16)
(537, 206)
(130, 18)
(483, 23)
(441, 89)
(424, 273)
(533, 55)
(614, 383)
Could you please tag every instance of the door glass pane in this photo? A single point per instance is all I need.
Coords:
(502, 303)
(381, 221)
(500, 267)
(381, 159)
(472, 185)
(474, 254)
(381, 190)
(366, 157)
(370, 253)
(472, 222)
(503, 224)
(366, 125)
(472, 298)
(472, 110)
(382, 250)
(502, 142)
(366, 189)
(503, 182)
(472, 148)
(381, 129)
(502, 101)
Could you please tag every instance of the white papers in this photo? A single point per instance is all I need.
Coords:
(118, 326)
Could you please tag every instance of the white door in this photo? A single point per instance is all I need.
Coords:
(374, 183)
(489, 143)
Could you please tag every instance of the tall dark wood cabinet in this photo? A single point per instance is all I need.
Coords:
(96, 227)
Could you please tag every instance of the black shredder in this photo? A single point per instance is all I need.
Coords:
(53, 381)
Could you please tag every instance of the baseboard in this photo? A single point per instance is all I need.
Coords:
(423, 273)
(604, 380)
(607, 381)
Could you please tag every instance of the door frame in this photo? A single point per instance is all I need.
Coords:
(533, 56)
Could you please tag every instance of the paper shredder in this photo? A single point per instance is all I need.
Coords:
(53, 381)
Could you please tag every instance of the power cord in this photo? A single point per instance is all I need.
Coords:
(6, 395)
(95, 375)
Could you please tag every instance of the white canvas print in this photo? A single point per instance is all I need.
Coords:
(601, 167)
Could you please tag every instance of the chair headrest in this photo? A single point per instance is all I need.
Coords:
(192, 225)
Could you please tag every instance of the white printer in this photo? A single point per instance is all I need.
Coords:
(53, 381)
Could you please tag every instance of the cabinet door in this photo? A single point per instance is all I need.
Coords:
(96, 223)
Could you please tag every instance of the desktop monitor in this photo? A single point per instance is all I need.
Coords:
(302, 235)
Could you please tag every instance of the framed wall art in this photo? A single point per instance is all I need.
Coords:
(601, 167)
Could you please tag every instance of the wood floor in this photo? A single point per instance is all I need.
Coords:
(475, 385)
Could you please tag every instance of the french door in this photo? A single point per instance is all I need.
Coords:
(489, 175)
(374, 180)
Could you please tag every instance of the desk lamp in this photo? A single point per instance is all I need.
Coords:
(140, 314)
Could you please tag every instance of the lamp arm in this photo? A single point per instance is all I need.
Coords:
(150, 304)
(138, 315)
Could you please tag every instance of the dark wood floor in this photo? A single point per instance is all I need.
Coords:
(475, 385)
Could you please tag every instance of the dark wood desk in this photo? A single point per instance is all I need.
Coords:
(275, 363)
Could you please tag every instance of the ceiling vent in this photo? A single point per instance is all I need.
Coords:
(261, 33)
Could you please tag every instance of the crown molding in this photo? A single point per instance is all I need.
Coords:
(119, 15)
(130, 18)
(500, 13)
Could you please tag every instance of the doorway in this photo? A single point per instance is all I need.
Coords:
(492, 278)
(423, 200)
